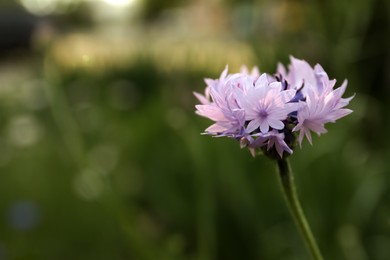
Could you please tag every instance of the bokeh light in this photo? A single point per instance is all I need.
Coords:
(120, 3)
(23, 215)
(46, 7)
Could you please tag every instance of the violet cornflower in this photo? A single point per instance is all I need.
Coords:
(322, 103)
(265, 111)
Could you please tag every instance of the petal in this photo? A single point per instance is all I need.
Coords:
(303, 71)
(271, 142)
(339, 113)
(217, 97)
(320, 71)
(253, 125)
(239, 114)
(244, 70)
(281, 70)
(224, 73)
(308, 135)
(279, 149)
(276, 124)
(255, 72)
(213, 112)
(215, 129)
(287, 95)
(210, 82)
(202, 99)
(243, 103)
(300, 138)
(264, 127)
(262, 81)
(276, 87)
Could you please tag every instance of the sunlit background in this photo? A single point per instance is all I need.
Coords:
(101, 155)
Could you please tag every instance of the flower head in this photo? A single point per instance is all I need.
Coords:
(265, 104)
(322, 103)
(264, 111)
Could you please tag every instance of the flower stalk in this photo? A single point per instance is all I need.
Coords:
(289, 191)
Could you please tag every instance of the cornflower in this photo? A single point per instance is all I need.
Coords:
(265, 111)
(270, 113)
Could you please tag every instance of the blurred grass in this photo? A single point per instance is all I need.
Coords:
(101, 155)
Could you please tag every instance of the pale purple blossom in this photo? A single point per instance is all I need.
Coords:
(263, 111)
(322, 103)
(222, 108)
(265, 104)
(272, 139)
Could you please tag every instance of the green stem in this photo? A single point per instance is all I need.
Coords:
(290, 194)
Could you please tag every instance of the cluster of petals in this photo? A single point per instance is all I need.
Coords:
(261, 110)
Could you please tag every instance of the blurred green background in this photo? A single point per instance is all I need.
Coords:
(101, 155)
